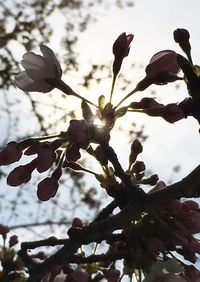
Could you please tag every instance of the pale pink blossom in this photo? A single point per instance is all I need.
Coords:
(162, 68)
(41, 72)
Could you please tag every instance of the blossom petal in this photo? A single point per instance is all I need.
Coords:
(24, 82)
(163, 61)
(31, 60)
(51, 58)
(37, 67)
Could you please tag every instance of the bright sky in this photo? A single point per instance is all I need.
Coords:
(152, 23)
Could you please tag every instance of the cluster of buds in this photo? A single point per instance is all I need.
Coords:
(11, 265)
(170, 113)
(63, 149)
(161, 232)
(137, 168)
(163, 68)
(157, 231)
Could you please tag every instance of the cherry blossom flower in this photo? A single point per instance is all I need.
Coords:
(41, 72)
(162, 68)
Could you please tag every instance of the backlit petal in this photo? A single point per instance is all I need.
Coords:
(31, 60)
(24, 82)
(51, 58)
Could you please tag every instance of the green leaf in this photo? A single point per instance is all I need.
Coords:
(197, 70)
(101, 102)
(111, 171)
(86, 111)
(121, 112)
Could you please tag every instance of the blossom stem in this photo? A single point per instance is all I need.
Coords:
(82, 98)
(113, 86)
(136, 110)
(126, 97)
(189, 58)
(46, 137)
(95, 248)
(69, 91)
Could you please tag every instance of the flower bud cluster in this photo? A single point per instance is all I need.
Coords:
(171, 112)
(166, 229)
(172, 227)
(65, 148)
(137, 168)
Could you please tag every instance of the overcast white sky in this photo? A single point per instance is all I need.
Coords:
(152, 23)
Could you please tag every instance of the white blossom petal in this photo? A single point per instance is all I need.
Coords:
(41, 72)
(31, 60)
(24, 82)
(51, 58)
(39, 67)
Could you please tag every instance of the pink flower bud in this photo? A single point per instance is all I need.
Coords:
(72, 154)
(100, 155)
(146, 103)
(33, 149)
(77, 222)
(152, 180)
(172, 113)
(136, 149)
(21, 174)
(121, 45)
(46, 157)
(4, 230)
(47, 189)
(78, 133)
(182, 37)
(11, 153)
(162, 68)
(121, 49)
(138, 167)
(160, 185)
(162, 62)
(13, 241)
